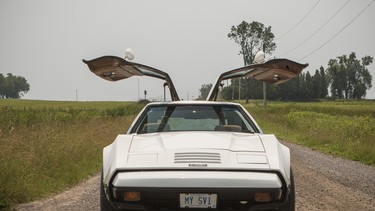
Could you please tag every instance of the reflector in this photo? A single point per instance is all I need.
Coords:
(132, 196)
(263, 197)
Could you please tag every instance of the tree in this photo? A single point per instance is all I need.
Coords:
(2, 85)
(349, 77)
(228, 93)
(324, 83)
(309, 86)
(252, 37)
(204, 91)
(13, 86)
(317, 85)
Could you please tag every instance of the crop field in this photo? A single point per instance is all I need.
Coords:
(48, 146)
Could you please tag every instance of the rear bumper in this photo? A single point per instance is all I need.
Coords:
(161, 189)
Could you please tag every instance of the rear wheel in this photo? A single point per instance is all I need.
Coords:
(104, 203)
(290, 204)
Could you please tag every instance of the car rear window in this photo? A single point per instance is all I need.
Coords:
(166, 118)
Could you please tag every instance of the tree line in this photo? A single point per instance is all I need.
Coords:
(346, 77)
(302, 87)
(12, 86)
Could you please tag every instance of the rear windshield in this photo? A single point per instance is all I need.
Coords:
(166, 118)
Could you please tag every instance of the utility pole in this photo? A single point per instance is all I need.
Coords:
(232, 89)
(239, 90)
(265, 94)
(239, 82)
(264, 83)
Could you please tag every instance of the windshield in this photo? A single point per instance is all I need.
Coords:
(165, 118)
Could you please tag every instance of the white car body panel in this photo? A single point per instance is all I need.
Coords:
(157, 151)
(193, 179)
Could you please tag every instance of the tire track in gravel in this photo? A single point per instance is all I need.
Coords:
(323, 182)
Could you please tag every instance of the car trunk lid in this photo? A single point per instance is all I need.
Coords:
(197, 150)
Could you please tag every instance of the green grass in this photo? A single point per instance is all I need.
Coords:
(38, 104)
(46, 147)
(340, 128)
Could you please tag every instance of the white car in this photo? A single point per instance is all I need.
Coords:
(196, 154)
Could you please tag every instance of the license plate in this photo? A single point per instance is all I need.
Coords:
(198, 200)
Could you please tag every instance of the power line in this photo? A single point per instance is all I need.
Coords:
(338, 31)
(303, 42)
(299, 21)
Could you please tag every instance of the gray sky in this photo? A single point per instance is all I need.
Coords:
(45, 41)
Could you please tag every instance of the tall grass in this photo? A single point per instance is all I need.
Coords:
(48, 146)
(341, 128)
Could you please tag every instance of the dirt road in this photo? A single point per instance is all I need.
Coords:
(322, 183)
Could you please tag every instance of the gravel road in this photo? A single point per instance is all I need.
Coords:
(322, 182)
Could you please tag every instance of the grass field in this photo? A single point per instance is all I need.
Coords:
(48, 146)
(340, 128)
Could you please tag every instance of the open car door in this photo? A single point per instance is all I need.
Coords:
(114, 68)
(274, 71)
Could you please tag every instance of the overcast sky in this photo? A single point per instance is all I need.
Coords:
(45, 41)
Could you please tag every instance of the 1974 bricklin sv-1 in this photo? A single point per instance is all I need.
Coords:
(196, 154)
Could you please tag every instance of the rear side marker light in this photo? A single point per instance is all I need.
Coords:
(263, 197)
(132, 196)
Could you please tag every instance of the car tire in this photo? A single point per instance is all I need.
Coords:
(104, 203)
(290, 204)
